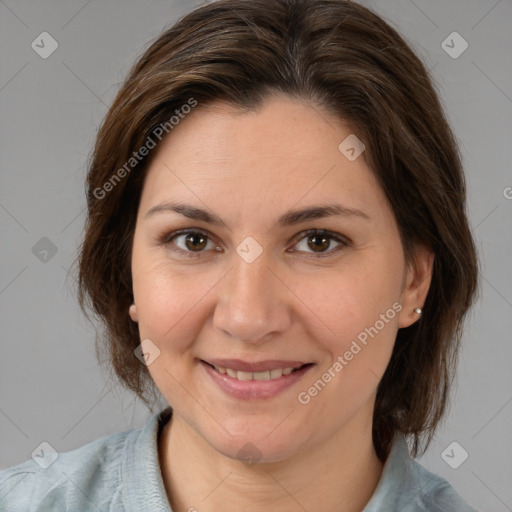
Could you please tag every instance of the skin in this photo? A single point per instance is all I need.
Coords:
(289, 303)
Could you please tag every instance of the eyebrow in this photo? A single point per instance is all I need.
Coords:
(288, 219)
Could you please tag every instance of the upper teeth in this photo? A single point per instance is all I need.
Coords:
(268, 375)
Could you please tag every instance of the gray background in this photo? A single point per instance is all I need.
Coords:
(51, 386)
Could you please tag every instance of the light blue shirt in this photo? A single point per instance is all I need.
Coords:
(121, 473)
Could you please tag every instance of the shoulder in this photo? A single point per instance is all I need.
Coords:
(435, 494)
(80, 479)
(407, 486)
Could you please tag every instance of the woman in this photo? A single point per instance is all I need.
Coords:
(276, 242)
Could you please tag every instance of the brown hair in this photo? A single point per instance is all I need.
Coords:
(344, 58)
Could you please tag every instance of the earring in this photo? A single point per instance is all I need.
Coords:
(417, 310)
(133, 312)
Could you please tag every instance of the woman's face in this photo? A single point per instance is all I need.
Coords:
(254, 287)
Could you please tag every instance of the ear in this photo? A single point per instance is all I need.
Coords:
(133, 313)
(417, 279)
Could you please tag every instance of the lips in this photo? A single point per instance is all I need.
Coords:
(265, 380)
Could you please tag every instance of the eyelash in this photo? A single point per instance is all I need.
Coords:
(167, 238)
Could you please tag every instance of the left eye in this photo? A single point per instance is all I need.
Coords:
(192, 243)
(318, 240)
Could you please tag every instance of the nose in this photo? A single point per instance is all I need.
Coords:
(253, 301)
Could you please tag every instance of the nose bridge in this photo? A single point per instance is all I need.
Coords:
(252, 301)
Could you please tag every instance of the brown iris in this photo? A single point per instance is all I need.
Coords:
(196, 238)
(325, 241)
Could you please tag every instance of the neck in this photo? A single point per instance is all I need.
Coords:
(338, 473)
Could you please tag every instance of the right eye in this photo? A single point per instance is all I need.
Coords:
(189, 243)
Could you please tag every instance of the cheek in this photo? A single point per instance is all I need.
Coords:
(345, 301)
(166, 306)
(170, 304)
(359, 321)
(359, 310)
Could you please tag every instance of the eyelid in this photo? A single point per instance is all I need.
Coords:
(337, 237)
(166, 238)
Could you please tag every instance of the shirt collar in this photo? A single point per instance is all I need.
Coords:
(144, 486)
(398, 485)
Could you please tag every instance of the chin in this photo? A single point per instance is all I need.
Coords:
(258, 448)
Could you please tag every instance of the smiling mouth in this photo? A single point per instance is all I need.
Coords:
(273, 374)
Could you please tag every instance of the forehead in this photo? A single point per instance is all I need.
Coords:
(284, 153)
